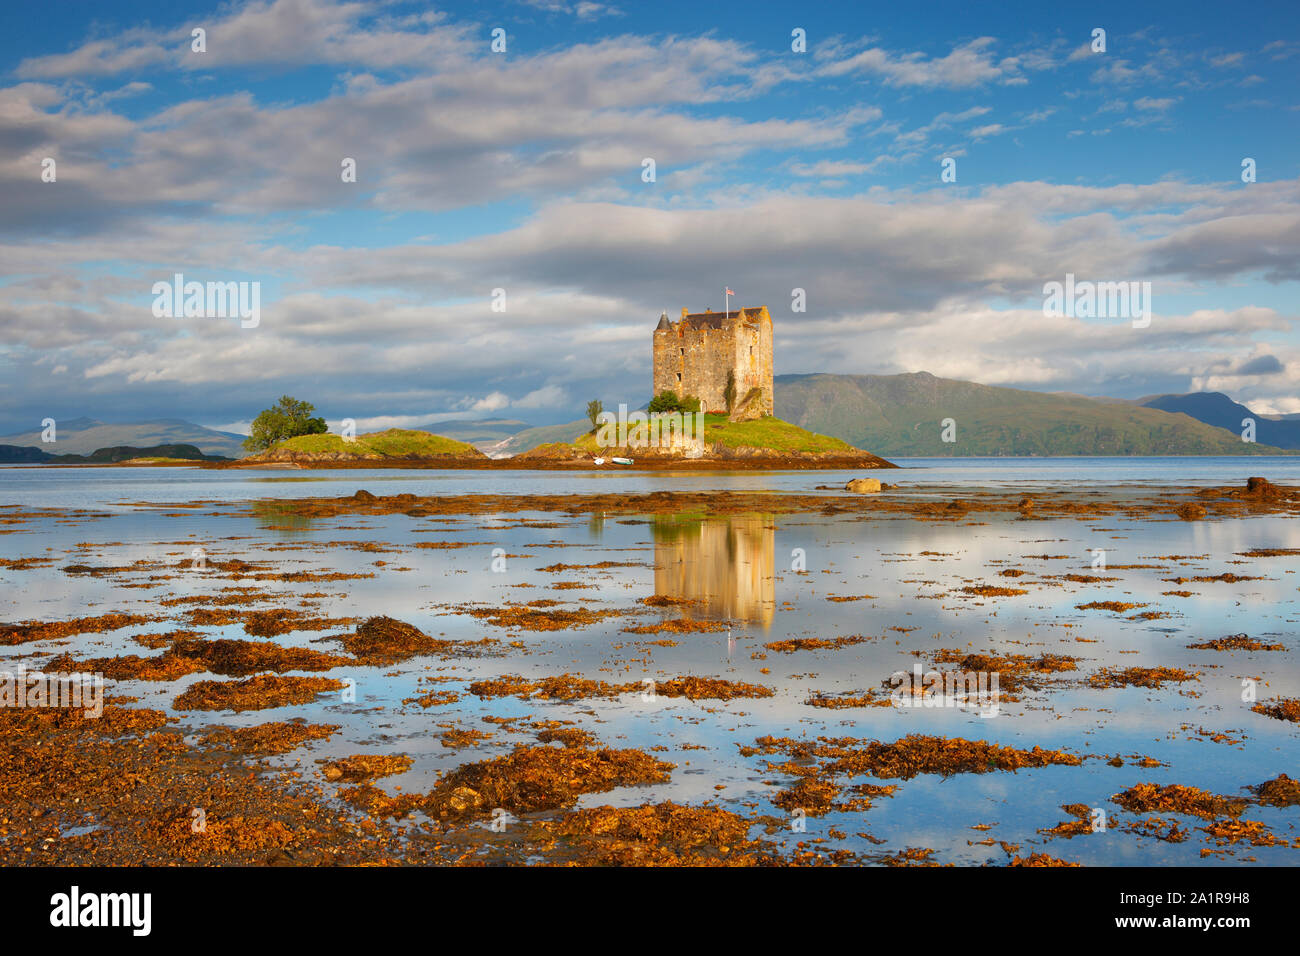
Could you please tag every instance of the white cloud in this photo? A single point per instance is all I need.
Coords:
(1155, 104)
(272, 32)
(830, 168)
(551, 396)
(488, 403)
(969, 64)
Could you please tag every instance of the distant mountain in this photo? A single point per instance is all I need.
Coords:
(127, 453)
(84, 436)
(1215, 408)
(21, 455)
(530, 438)
(900, 416)
(480, 434)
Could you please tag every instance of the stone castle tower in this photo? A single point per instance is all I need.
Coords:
(693, 355)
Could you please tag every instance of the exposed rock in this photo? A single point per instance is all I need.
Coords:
(863, 486)
(533, 779)
(464, 798)
(385, 640)
(1264, 489)
(365, 766)
(752, 406)
(1279, 792)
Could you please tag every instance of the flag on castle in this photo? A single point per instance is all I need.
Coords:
(727, 298)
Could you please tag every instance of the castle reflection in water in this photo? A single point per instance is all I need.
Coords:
(725, 565)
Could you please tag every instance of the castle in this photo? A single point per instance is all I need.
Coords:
(693, 356)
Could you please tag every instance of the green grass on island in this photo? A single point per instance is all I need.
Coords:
(394, 443)
(768, 433)
(771, 433)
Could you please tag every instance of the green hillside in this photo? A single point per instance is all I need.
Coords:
(769, 434)
(900, 415)
(394, 443)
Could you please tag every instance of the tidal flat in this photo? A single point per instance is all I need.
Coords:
(642, 675)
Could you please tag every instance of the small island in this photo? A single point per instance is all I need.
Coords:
(724, 418)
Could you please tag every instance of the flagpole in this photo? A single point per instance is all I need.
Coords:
(727, 298)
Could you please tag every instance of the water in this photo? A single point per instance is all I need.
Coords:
(111, 487)
(739, 568)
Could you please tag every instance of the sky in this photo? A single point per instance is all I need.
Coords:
(795, 146)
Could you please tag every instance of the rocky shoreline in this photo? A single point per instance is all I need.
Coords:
(122, 787)
(643, 459)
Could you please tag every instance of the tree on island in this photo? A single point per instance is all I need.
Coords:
(667, 401)
(288, 418)
(594, 408)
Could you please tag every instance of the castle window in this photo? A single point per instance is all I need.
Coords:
(679, 378)
(751, 350)
(681, 351)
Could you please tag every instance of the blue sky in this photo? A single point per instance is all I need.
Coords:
(522, 170)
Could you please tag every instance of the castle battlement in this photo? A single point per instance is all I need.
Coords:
(693, 355)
